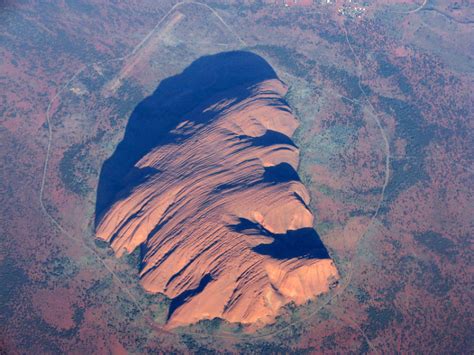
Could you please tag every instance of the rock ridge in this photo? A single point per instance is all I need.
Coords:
(219, 213)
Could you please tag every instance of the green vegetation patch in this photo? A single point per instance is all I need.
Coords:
(12, 279)
(386, 68)
(296, 63)
(68, 169)
(411, 126)
(380, 319)
(438, 244)
(349, 82)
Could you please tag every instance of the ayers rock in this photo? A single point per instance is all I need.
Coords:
(204, 183)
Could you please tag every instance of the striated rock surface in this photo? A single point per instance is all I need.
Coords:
(218, 211)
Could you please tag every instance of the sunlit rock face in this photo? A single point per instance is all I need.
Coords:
(215, 203)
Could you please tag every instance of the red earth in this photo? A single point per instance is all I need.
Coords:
(384, 103)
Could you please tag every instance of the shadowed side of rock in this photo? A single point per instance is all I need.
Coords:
(211, 196)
